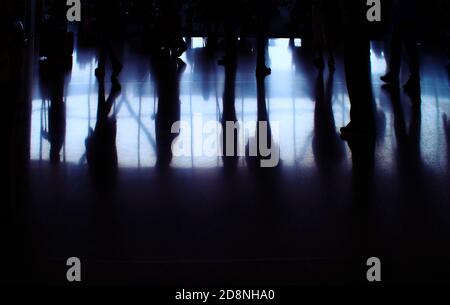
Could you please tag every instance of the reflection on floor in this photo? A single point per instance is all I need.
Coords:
(314, 218)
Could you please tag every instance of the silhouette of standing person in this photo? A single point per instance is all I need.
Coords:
(108, 27)
(405, 16)
(360, 132)
(323, 16)
(101, 151)
(53, 75)
(357, 69)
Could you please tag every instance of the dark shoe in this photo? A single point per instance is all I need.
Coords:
(390, 79)
(263, 71)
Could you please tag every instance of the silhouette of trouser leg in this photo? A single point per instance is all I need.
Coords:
(318, 27)
(411, 50)
(396, 52)
(107, 51)
(357, 72)
(230, 35)
(261, 42)
(101, 107)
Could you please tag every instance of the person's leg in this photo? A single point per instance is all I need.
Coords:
(359, 85)
(178, 45)
(105, 105)
(102, 53)
(106, 51)
(331, 29)
(357, 71)
(330, 46)
(230, 38)
(261, 67)
(115, 91)
(413, 58)
(318, 32)
(330, 41)
(101, 100)
(394, 63)
(115, 62)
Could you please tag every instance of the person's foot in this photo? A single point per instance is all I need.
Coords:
(390, 79)
(318, 62)
(412, 85)
(263, 71)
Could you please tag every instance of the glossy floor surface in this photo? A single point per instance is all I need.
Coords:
(315, 218)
